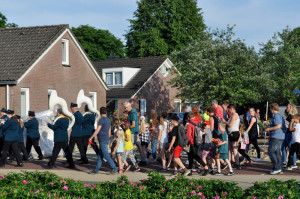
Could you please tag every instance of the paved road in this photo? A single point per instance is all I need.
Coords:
(245, 177)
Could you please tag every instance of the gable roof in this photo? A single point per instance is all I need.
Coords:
(21, 48)
(148, 66)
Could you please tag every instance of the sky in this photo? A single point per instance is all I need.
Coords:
(256, 20)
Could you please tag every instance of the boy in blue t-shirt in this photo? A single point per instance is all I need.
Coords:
(223, 150)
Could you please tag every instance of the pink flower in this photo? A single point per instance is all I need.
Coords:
(1, 176)
(224, 194)
(141, 187)
(54, 194)
(201, 195)
(192, 183)
(199, 187)
(123, 181)
(85, 185)
(49, 195)
(135, 184)
(280, 197)
(93, 186)
(116, 195)
(25, 182)
(216, 197)
(37, 191)
(253, 197)
(62, 181)
(192, 192)
(65, 188)
(52, 184)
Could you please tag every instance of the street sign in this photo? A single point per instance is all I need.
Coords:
(296, 91)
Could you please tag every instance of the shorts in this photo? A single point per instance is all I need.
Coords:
(177, 151)
(135, 139)
(223, 156)
(119, 153)
(162, 145)
(207, 153)
(234, 136)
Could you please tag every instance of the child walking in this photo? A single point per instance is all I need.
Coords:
(119, 149)
(295, 128)
(223, 150)
(128, 149)
(243, 144)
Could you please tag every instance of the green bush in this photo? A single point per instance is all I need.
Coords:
(49, 185)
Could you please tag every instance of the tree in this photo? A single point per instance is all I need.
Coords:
(4, 24)
(280, 59)
(159, 27)
(97, 43)
(216, 66)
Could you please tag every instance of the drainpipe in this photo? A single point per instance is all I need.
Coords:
(7, 96)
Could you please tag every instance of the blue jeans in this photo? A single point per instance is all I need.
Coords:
(275, 153)
(153, 148)
(287, 142)
(103, 153)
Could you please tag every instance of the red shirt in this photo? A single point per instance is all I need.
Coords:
(197, 118)
(219, 112)
(190, 131)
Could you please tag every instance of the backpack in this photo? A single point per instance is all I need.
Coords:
(198, 138)
(182, 137)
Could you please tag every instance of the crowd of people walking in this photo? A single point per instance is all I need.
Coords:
(217, 139)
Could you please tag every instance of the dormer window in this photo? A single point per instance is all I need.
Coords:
(65, 52)
(114, 79)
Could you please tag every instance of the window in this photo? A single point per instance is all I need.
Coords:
(93, 96)
(109, 79)
(177, 105)
(24, 101)
(164, 70)
(65, 52)
(118, 78)
(114, 78)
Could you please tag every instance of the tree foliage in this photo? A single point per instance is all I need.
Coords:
(280, 59)
(216, 66)
(4, 24)
(97, 43)
(159, 27)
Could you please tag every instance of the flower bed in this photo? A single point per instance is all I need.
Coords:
(49, 185)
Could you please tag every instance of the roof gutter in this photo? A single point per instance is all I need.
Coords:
(8, 82)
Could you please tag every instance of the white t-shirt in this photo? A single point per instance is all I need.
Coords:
(164, 133)
(296, 133)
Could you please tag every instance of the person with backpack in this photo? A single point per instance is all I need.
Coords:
(194, 135)
(178, 141)
(277, 129)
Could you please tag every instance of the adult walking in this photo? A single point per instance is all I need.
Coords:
(2, 133)
(233, 134)
(103, 132)
(11, 128)
(133, 120)
(60, 128)
(290, 111)
(253, 133)
(33, 135)
(277, 127)
(76, 134)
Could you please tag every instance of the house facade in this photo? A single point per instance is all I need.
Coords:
(34, 61)
(142, 81)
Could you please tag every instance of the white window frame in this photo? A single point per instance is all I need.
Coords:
(177, 100)
(66, 42)
(27, 98)
(114, 76)
(167, 70)
(94, 94)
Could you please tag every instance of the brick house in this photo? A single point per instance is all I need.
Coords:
(142, 81)
(34, 61)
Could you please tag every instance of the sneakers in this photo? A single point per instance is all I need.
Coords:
(112, 172)
(175, 173)
(275, 172)
(19, 165)
(218, 173)
(257, 159)
(284, 165)
(187, 172)
(205, 172)
(137, 169)
(230, 173)
(289, 168)
(294, 166)
(92, 172)
(120, 172)
(237, 167)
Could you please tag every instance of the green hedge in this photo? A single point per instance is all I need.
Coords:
(49, 185)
